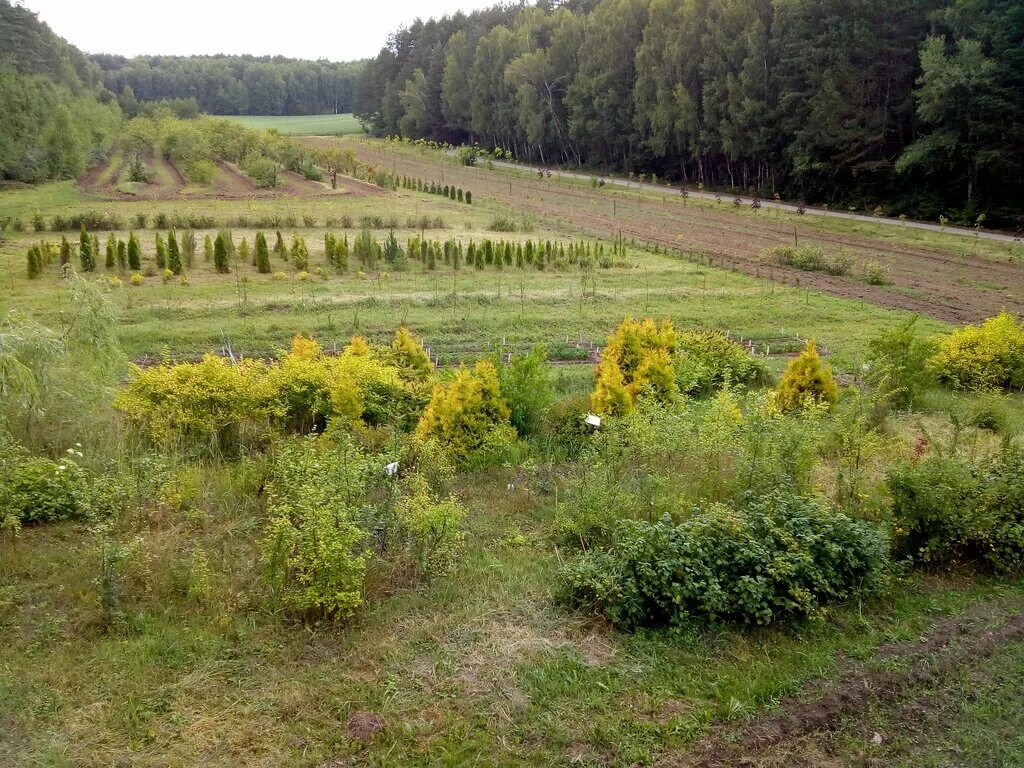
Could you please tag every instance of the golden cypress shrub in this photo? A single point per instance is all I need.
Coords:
(410, 356)
(610, 396)
(806, 381)
(467, 413)
(638, 360)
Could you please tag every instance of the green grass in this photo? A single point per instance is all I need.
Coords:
(302, 125)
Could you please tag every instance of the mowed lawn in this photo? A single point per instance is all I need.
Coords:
(302, 125)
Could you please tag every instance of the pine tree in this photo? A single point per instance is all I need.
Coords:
(161, 252)
(410, 356)
(173, 253)
(65, 252)
(35, 262)
(469, 198)
(122, 256)
(221, 253)
(111, 252)
(95, 249)
(85, 255)
(243, 253)
(279, 247)
(134, 253)
(208, 249)
(262, 254)
(299, 253)
(188, 249)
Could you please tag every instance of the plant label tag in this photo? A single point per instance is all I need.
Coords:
(391, 469)
(593, 420)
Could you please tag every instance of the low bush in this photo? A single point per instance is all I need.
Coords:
(425, 536)
(315, 551)
(989, 356)
(502, 224)
(34, 489)
(779, 557)
(810, 258)
(201, 172)
(898, 364)
(948, 510)
(709, 360)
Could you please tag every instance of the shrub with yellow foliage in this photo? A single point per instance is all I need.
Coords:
(410, 356)
(467, 413)
(989, 356)
(806, 382)
(637, 361)
(206, 402)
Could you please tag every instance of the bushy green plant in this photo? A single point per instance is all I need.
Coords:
(778, 557)
(34, 489)
(315, 551)
(708, 360)
(948, 510)
(660, 459)
(425, 537)
(989, 356)
(526, 388)
(898, 364)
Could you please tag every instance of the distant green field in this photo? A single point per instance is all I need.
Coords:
(303, 125)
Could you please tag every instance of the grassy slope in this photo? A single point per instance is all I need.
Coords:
(302, 125)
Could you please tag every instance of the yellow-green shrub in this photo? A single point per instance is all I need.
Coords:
(426, 535)
(410, 356)
(208, 401)
(806, 382)
(638, 360)
(467, 413)
(299, 387)
(989, 356)
(315, 551)
(365, 389)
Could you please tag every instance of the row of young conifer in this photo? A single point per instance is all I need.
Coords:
(433, 188)
(177, 254)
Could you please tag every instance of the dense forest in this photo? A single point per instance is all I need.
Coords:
(55, 114)
(233, 85)
(914, 105)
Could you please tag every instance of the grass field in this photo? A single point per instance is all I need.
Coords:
(302, 125)
(483, 667)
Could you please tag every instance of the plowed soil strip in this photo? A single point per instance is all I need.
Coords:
(951, 644)
(945, 283)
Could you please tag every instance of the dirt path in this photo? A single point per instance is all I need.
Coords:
(949, 283)
(895, 671)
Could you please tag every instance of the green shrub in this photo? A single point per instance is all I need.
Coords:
(947, 510)
(201, 172)
(898, 364)
(708, 360)
(989, 356)
(425, 537)
(261, 170)
(38, 490)
(809, 258)
(780, 557)
(526, 388)
(502, 224)
(315, 550)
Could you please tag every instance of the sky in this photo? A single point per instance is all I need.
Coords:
(337, 30)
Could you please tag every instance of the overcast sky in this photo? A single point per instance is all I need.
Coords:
(338, 30)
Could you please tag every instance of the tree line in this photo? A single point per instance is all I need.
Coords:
(55, 116)
(232, 85)
(917, 105)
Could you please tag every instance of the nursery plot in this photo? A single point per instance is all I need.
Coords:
(947, 277)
